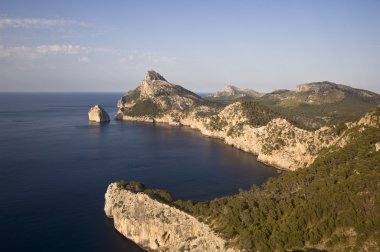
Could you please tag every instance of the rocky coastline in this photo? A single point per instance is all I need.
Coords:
(156, 226)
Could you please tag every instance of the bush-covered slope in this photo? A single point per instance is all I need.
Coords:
(260, 115)
(334, 204)
(315, 104)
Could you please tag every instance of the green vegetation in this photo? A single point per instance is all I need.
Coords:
(333, 204)
(257, 114)
(314, 110)
(133, 94)
(136, 187)
(236, 130)
(350, 108)
(131, 185)
(260, 115)
(217, 123)
(144, 107)
(339, 128)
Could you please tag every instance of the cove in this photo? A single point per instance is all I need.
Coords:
(55, 167)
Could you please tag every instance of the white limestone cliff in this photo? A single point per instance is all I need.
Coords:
(156, 226)
(98, 114)
(278, 143)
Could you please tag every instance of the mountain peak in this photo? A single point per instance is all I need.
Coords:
(231, 90)
(316, 86)
(153, 75)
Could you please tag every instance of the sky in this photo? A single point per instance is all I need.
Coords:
(203, 45)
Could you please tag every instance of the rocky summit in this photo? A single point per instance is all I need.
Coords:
(231, 91)
(152, 75)
(277, 139)
(98, 114)
(155, 97)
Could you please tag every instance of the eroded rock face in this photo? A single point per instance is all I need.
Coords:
(231, 90)
(377, 146)
(152, 75)
(98, 114)
(278, 143)
(157, 226)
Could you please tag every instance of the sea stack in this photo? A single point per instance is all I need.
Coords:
(98, 114)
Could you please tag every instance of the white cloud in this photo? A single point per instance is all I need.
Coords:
(136, 56)
(83, 59)
(26, 52)
(36, 22)
(16, 52)
(61, 49)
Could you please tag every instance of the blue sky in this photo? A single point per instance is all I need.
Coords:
(201, 45)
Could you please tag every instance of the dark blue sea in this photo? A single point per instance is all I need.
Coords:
(55, 167)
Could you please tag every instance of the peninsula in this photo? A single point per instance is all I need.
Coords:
(287, 140)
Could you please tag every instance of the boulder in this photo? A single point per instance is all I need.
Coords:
(98, 114)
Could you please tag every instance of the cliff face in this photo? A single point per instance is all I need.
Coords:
(98, 114)
(278, 142)
(157, 226)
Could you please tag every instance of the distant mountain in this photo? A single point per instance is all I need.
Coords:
(285, 134)
(317, 93)
(330, 200)
(235, 92)
(316, 103)
(156, 96)
(322, 102)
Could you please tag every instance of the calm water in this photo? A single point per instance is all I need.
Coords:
(55, 167)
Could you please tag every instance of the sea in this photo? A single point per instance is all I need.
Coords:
(55, 167)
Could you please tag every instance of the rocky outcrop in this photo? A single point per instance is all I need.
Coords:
(371, 119)
(235, 92)
(98, 114)
(157, 226)
(324, 92)
(278, 142)
(152, 75)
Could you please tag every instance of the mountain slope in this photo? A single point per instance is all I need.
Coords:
(333, 204)
(317, 104)
(279, 139)
(231, 93)
(155, 96)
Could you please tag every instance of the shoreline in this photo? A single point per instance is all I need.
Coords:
(222, 140)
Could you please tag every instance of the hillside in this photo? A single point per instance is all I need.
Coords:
(317, 104)
(155, 97)
(332, 205)
(232, 93)
(282, 140)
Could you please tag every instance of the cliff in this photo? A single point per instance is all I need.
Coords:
(157, 226)
(329, 205)
(246, 126)
(98, 114)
